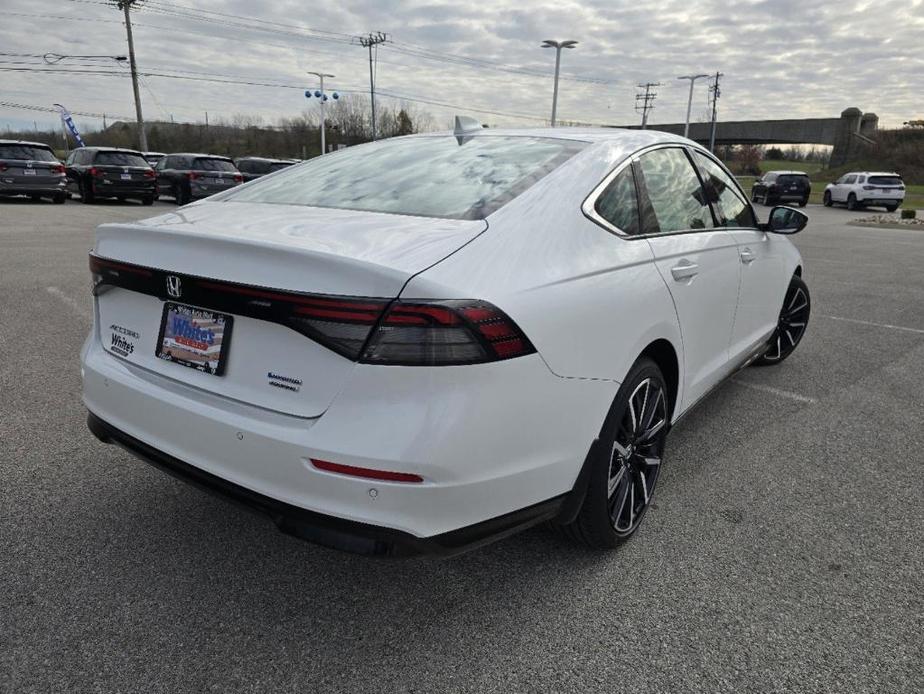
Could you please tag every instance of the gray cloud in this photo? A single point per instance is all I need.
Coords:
(780, 57)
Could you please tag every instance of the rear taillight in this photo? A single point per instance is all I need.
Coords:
(149, 173)
(192, 175)
(3, 167)
(238, 178)
(443, 333)
(95, 172)
(58, 168)
(368, 330)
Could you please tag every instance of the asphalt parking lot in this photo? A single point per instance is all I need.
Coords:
(785, 551)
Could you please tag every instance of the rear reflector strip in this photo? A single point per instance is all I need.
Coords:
(367, 473)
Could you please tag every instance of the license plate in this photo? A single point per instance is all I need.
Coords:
(126, 177)
(29, 172)
(194, 337)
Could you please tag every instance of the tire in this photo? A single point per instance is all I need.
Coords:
(891, 208)
(36, 198)
(180, 196)
(147, 200)
(86, 196)
(791, 325)
(59, 198)
(852, 203)
(622, 482)
(826, 199)
(768, 201)
(803, 202)
(753, 195)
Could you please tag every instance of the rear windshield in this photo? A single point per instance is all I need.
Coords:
(203, 164)
(885, 180)
(28, 152)
(792, 178)
(434, 176)
(119, 159)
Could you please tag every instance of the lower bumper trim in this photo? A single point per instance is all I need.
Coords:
(330, 531)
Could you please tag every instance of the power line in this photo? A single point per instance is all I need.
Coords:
(644, 101)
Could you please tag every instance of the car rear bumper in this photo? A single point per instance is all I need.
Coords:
(490, 443)
(330, 531)
(104, 190)
(29, 188)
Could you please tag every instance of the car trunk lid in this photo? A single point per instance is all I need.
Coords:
(261, 256)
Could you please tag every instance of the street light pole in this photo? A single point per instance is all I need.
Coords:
(321, 100)
(557, 45)
(692, 78)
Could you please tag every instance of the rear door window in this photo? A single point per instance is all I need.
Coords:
(724, 191)
(678, 201)
(120, 159)
(618, 203)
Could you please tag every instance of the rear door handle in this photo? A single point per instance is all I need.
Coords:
(685, 270)
(747, 257)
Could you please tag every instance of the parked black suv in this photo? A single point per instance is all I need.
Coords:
(187, 177)
(108, 172)
(775, 187)
(30, 168)
(254, 167)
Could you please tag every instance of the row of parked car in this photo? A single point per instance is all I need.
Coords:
(91, 173)
(856, 189)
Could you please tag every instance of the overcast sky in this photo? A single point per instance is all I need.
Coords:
(780, 58)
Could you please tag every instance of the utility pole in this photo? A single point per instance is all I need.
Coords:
(321, 100)
(125, 6)
(370, 41)
(644, 102)
(557, 45)
(716, 93)
(692, 78)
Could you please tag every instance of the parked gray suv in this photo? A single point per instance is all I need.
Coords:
(30, 168)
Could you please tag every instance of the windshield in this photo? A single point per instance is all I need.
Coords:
(432, 176)
(28, 152)
(120, 159)
(203, 164)
(885, 180)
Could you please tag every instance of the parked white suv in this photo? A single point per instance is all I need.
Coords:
(866, 189)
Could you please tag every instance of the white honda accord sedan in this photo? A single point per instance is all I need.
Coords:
(425, 343)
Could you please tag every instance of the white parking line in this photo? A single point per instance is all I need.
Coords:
(789, 395)
(877, 325)
(77, 307)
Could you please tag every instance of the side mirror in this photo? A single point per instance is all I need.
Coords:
(785, 220)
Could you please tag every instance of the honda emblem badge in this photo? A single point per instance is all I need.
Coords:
(174, 287)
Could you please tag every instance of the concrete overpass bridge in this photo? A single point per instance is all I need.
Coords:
(846, 134)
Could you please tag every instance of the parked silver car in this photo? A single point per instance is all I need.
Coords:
(31, 168)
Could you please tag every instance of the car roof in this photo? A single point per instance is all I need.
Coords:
(25, 142)
(199, 155)
(154, 154)
(788, 173)
(873, 173)
(585, 134)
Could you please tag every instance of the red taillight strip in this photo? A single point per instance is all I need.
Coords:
(96, 263)
(365, 472)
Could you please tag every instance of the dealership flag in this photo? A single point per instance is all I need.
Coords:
(69, 122)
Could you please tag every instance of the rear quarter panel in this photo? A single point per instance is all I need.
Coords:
(590, 301)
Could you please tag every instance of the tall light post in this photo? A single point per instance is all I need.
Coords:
(322, 98)
(692, 78)
(557, 45)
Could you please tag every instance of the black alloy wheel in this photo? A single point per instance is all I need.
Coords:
(852, 203)
(793, 320)
(826, 199)
(622, 485)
